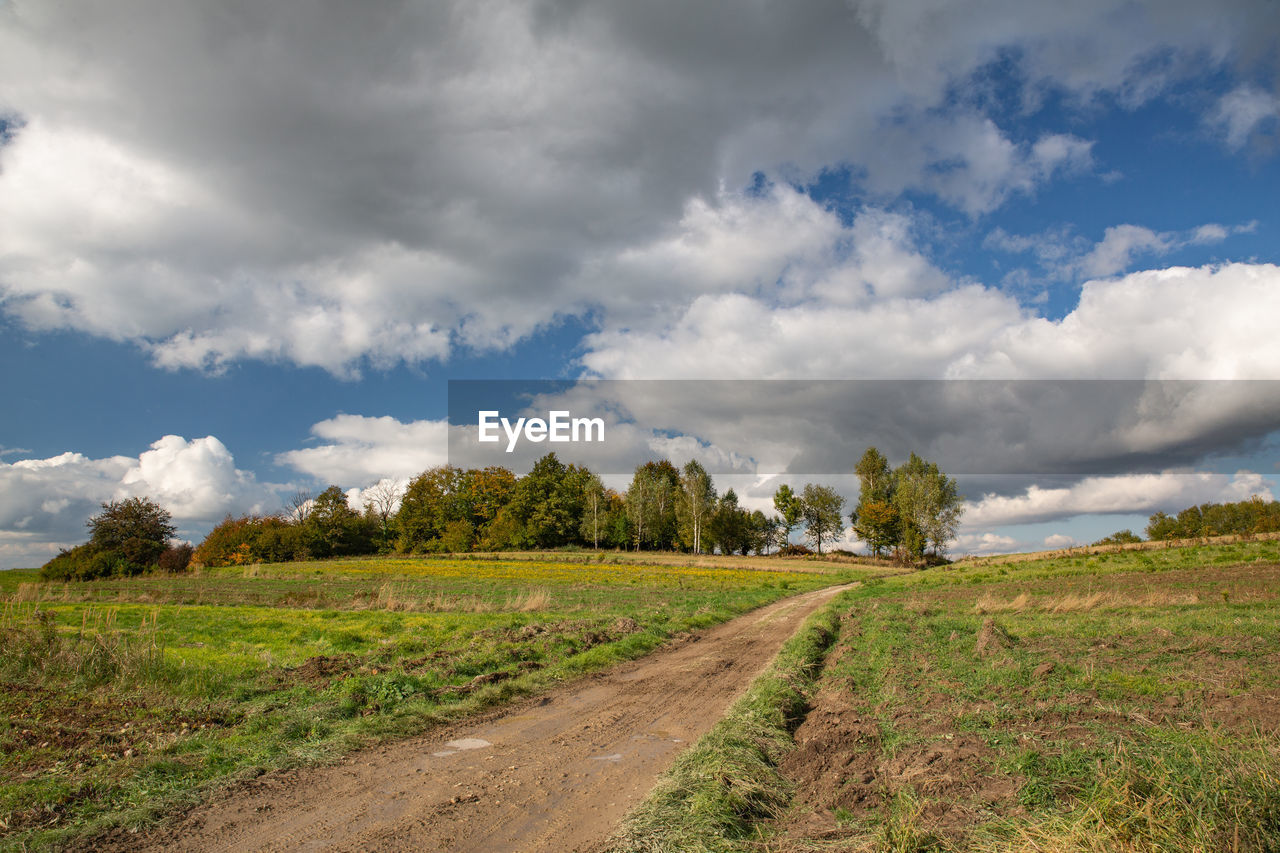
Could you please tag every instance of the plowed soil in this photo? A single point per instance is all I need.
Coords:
(556, 773)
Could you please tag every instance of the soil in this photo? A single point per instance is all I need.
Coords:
(840, 768)
(555, 773)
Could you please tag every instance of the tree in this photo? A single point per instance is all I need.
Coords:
(762, 532)
(875, 519)
(790, 508)
(651, 504)
(548, 502)
(876, 523)
(459, 536)
(428, 505)
(126, 538)
(694, 502)
(298, 507)
(874, 475)
(730, 526)
(380, 501)
(490, 489)
(822, 513)
(928, 505)
(334, 527)
(139, 529)
(595, 507)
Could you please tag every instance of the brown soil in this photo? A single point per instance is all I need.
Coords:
(842, 773)
(555, 773)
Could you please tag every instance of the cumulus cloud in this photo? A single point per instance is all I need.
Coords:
(359, 450)
(1130, 493)
(223, 184)
(44, 503)
(1059, 540)
(1209, 322)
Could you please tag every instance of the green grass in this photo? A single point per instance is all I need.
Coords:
(720, 788)
(124, 700)
(1123, 703)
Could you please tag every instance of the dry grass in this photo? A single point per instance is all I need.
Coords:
(527, 602)
(1084, 602)
(27, 591)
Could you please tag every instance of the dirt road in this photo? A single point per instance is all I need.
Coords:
(556, 773)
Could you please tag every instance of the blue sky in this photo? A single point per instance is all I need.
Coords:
(243, 250)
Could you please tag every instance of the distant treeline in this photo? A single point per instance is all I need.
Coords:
(1241, 518)
(445, 509)
(1211, 519)
(451, 510)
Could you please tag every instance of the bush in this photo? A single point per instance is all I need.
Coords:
(793, 550)
(66, 565)
(176, 558)
(1120, 537)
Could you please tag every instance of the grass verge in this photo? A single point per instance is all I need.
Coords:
(717, 789)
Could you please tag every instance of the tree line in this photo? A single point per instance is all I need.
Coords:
(1240, 518)
(446, 509)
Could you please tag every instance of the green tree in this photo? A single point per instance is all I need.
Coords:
(928, 504)
(548, 502)
(595, 509)
(822, 513)
(874, 475)
(427, 506)
(335, 528)
(695, 501)
(876, 523)
(730, 525)
(790, 508)
(875, 519)
(459, 536)
(651, 504)
(138, 529)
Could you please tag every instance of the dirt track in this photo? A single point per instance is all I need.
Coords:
(556, 773)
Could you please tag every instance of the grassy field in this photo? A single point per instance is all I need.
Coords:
(124, 699)
(1127, 701)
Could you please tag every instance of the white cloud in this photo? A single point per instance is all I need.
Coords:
(1178, 323)
(1129, 493)
(1059, 540)
(221, 184)
(1119, 245)
(44, 503)
(1242, 112)
(980, 544)
(1065, 255)
(969, 162)
(363, 450)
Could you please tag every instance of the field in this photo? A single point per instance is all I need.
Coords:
(126, 699)
(1126, 701)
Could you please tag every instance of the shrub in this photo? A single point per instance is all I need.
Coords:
(176, 558)
(793, 550)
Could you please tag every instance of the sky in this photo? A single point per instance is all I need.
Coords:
(246, 247)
